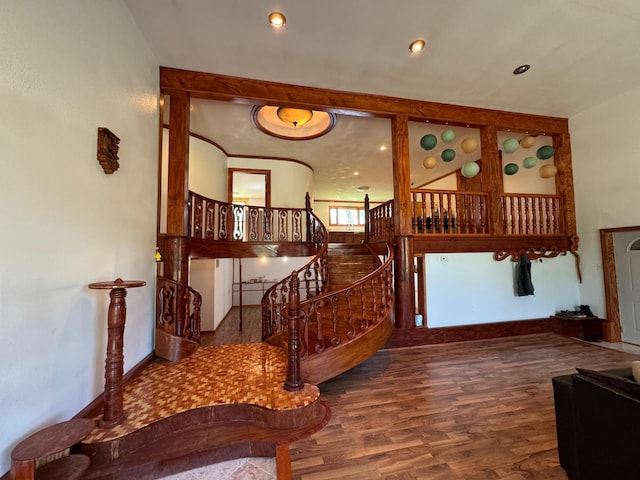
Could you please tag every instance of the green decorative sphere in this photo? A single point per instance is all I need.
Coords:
(510, 145)
(428, 141)
(510, 168)
(448, 155)
(545, 152)
(470, 169)
(447, 136)
(529, 162)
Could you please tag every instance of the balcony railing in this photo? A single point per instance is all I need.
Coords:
(449, 212)
(532, 214)
(215, 220)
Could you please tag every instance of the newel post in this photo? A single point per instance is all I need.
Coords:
(366, 218)
(307, 207)
(294, 381)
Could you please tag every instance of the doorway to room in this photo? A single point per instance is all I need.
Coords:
(621, 271)
(627, 259)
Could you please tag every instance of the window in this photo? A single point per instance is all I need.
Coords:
(346, 216)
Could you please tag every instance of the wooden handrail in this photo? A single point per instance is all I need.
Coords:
(532, 214)
(379, 223)
(179, 312)
(215, 220)
(333, 318)
(314, 276)
(447, 212)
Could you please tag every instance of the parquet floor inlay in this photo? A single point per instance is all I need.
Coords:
(466, 411)
(251, 373)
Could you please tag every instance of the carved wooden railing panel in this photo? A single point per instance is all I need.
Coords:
(379, 223)
(214, 220)
(336, 317)
(449, 212)
(179, 308)
(527, 214)
(313, 277)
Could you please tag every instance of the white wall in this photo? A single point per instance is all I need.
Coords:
(202, 279)
(473, 288)
(290, 181)
(207, 172)
(605, 151)
(223, 295)
(69, 67)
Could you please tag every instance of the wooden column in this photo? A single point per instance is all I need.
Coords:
(178, 170)
(403, 272)
(367, 225)
(564, 180)
(422, 290)
(492, 177)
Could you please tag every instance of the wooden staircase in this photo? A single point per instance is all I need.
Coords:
(348, 263)
(350, 321)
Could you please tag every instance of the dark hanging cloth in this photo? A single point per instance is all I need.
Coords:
(523, 277)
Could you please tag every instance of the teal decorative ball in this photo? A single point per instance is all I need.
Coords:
(510, 168)
(545, 152)
(529, 162)
(447, 136)
(470, 169)
(448, 155)
(510, 145)
(428, 141)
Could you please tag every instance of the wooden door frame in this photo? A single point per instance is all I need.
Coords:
(612, 328)
(266, 173)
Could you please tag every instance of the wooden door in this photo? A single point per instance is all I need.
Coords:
(627, 254)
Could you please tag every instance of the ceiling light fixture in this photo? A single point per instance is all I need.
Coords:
(277, 20)
(417, 46)
(294, 116)
(521, 69)
(292, 123)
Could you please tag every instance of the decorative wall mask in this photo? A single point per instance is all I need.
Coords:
(108, 150)
(545, 152)
(447, 136)
(470, 169)
(510, 145)
(448, 155)
(529, 162)
(527, 142)
(548, 171)
(469, 145)
(510, 169)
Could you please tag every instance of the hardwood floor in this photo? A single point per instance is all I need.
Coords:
(227, 332)
(473, 410)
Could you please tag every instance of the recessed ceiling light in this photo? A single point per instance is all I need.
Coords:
(356, 173)
(417, 46)
(521, 69)
(277, 20)
(382, 148)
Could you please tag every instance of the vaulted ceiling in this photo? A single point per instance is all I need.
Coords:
(581, 52)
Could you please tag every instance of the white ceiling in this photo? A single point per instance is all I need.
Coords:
(582, 52)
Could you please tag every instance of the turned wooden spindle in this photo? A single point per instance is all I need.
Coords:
(294, 381)
(113, 412)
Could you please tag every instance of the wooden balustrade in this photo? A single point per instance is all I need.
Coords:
(334, 318)
(524, 214)
(313, 277)
(449, 212)
(178, 309)
(379, 222)
(215, 220)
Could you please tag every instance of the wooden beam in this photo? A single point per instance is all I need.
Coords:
(226, 88)
(492, 177)
(564, 180)
(178, 174)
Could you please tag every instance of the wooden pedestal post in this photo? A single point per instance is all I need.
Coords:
(113, 413)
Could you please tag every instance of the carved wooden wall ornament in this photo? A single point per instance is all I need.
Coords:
(532, 253)
(108, 150)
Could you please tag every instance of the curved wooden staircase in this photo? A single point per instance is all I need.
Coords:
(346, 324)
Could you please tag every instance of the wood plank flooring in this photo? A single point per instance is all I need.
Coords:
(462, 411)
(227, 332)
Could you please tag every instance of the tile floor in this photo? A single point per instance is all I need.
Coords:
(256, 468)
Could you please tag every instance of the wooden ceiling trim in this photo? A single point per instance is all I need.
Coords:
(214, 86)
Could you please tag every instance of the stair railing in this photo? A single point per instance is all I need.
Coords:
(313, 277)
(179, 309)
(336, 317)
